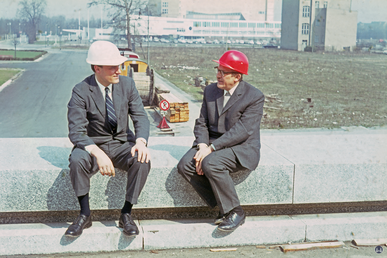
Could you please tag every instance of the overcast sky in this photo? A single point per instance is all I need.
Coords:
(368, 10)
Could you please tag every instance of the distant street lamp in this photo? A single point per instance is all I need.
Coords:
(9, 29)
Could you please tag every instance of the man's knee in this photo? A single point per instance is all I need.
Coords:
(79, 157)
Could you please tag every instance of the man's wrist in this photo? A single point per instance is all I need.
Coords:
(201, 145)
(142, 140)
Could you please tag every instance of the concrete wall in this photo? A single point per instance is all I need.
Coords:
(341, 27)
(290, 24)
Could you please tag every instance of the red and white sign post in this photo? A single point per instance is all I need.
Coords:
(164, 106)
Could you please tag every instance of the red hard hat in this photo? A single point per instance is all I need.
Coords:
(234, 60)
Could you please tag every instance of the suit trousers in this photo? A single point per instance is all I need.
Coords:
(215, 187)
(83, 166)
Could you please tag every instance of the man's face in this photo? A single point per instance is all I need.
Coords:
(226, 77)
(107, 74)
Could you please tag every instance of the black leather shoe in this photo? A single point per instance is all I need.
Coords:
(232, 221)
(78, 226)
(219, 219)
(126, 222)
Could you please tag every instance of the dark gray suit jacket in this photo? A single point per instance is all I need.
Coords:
(235, 126)
(87, 113)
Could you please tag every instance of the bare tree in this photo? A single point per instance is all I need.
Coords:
(120, 11)
(31, 11)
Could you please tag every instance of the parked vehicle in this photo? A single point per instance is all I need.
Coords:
(270, 45)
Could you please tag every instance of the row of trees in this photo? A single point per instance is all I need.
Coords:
(31, 18)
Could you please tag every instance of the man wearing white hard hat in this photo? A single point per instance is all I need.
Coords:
(98, 119)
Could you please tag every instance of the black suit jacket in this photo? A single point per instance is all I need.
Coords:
(235, 126)
(87, 113)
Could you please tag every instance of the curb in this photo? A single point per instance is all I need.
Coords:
(2, 87)
(48, 238)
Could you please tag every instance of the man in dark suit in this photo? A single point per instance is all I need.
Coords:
(98, 116)
(227, 139)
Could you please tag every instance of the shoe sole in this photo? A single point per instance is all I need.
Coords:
(231, 230)
(86, 226)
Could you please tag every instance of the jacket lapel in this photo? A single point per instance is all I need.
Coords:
(219, 100)
(97, 96)
(235, 96)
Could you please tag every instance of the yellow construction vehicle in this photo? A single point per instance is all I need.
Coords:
(142, 75)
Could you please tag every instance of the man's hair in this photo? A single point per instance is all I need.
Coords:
(92, 67)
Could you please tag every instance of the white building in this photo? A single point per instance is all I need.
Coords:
(200, 28)
(321, 24)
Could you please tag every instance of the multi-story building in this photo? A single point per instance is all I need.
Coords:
(261, 10)
(321, 24)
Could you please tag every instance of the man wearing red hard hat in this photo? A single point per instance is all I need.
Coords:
(227, 139)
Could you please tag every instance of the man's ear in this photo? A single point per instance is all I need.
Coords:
(237, 77)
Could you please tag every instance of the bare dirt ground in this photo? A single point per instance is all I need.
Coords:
(302, 89)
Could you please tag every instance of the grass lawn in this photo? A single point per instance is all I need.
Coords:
(21, 54)
(302, 89)
(6, 74)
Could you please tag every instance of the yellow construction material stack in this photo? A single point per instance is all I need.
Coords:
(178, 110)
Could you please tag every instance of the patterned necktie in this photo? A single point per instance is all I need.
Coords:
(110, 110)
(226, 98)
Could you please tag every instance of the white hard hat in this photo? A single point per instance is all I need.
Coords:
(104, 53)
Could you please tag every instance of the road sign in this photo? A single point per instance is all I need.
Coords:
(164, 105)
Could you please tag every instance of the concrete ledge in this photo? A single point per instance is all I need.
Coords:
(296, 168)
(202, 233)
(40, 181)
(19, 239)
(49, 238)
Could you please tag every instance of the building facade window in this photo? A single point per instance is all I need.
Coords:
(316, 39)
(234, 25)
(325, 4)
(317, 4)
(165, 4)
(251, 25)
(269, 25)
(164, 11)
(225, 24)
(305, 28)
(278, 26)
(305, 11)
(197, 24)
(215, 24)
(242, 25)
(206, 24)
(260, 25)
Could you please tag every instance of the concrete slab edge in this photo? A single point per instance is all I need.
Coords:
(21, 239)
(4, 85)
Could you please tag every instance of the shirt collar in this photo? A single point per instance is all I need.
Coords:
(231, 91)
(102, 88)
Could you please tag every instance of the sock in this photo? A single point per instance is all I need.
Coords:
(127, 208)
(239, 210)
(84, 203)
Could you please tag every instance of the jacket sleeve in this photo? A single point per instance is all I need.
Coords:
(247, 124)
(77, 120)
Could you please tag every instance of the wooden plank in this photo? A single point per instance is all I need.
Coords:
(223, 250)
(310, 246)
(370, 242)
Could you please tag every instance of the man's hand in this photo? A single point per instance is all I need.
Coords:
(105, 165)
(203, 152)
(143, 153)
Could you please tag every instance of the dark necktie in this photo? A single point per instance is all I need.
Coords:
(110, 110)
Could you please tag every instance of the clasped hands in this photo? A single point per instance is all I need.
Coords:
(105, 164)
(203, 152)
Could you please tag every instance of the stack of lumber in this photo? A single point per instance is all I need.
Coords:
(178, 110)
